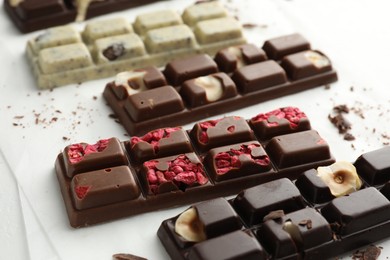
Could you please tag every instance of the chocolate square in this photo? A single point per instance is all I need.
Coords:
(279, 47)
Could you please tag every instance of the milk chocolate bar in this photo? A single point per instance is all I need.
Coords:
(284, 219)
(32, 15)
(171, 166)
(200, 86)
(64, 55)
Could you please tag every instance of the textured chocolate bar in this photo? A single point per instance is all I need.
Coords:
(171, 166)
(283, 219)
(32, 15)
(64, 55)
(239, 76)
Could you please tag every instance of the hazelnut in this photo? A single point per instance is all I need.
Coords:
(236, 52)
(317, 59)
(189, 226)
(341, 178)
(293, 231)
(212, 86)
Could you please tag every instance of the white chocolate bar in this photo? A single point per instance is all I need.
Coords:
(63, 55)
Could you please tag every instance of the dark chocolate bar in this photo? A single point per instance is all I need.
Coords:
(238, 76)
(285, 219)
(32, 15)
(63, 55)
(171, 166)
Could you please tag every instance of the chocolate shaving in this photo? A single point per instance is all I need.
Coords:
(349, 137)
(340, 122)
(18, 117)
(127, 257)
(276, 214)
(114, 51)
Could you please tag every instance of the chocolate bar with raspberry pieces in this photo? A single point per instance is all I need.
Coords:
(172, 166)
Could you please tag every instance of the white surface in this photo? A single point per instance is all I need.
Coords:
(353, 33)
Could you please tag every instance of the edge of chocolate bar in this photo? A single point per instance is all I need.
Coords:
(68, 15)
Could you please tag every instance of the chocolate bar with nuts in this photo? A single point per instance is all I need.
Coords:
(200, 86)
(328, 211)
(64, 55)
(171, 166)
(32, 15)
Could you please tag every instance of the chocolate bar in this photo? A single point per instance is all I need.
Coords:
(32, 15)
(171, 166)
(284, 219)
(64, 55)
(198, 86)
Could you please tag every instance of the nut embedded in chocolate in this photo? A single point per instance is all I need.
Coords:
(114, 51)
(189, 226)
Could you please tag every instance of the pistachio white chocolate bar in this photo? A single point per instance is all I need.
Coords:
(63, 55)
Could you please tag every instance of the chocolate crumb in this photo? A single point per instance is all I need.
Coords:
(94, 98)
(18, 117)
(276, 214)
(65, 138)
(127, 257)
(327, 86)
(351, 89)
(254, 25)
(112, 116)
(341, 109)
(340, 122)
(370, 253)
(15, 124)
(349, 137)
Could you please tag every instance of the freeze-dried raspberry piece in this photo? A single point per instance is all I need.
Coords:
(81, 191)
(225, 161)
(292, 114)
(76, 152)
(203, 137)
(181, 171)
(154, 137)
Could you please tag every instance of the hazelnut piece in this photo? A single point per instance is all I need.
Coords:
(189, 226)
(317, 59)
(212, 86)
(133, 81)
(341, 178)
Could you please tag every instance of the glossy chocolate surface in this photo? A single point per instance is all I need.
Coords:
(170, 167)
(246, 81)
(295, 227)
(32, 15)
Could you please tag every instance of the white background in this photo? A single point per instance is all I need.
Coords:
(355, 34)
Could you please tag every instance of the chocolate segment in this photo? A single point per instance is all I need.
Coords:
(374, 166)
(279, 47)
(302, 147)
(102, 187)
(217, 217)
(305, 64)
(235, 161)
(259, 76)
(170, 167)
(153, 103)
(275, 195)
(104, 154)
(313, 188)
(242, 246)
(295, 232)
(369, 208)
(181, 70)
(278, 122)
(227, 130)
(159, 143)
(208, 89)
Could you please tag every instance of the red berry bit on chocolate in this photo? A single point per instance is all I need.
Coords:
(81, 191)
(280, 121)
(76, 152)
(173, 173)
(203, 137)
(154, 137)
